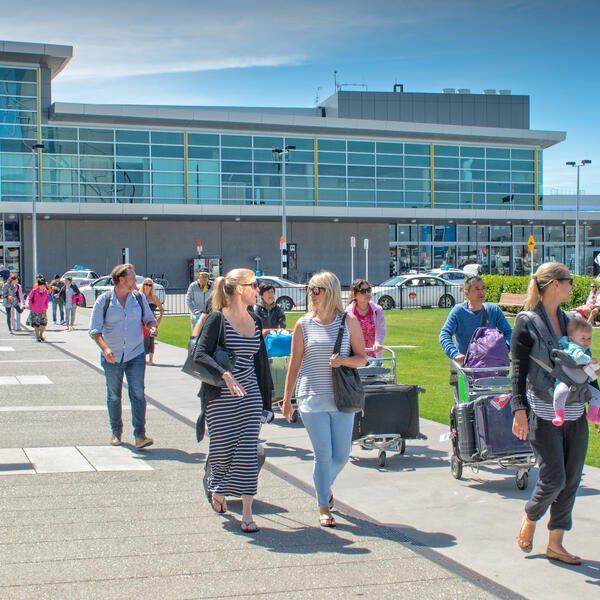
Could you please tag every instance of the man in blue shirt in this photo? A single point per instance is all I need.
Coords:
(117, 329)
(465, 318)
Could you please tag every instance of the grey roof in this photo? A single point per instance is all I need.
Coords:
(53, 56)
(292, 121)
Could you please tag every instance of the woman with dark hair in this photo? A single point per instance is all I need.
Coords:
(271, 315)
(370, 316)
(234, 411)
(560, 451)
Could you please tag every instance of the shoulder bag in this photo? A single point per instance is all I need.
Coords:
(348, 391)
(222, 356)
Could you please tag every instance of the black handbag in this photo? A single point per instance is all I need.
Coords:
(222, 356)
(348, 391)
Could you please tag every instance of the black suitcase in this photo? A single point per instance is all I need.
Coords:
(493, 428)
(465, 430)
(389, 408)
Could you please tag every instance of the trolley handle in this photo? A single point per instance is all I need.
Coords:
(468, 370)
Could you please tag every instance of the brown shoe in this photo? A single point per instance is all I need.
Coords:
(143, 442)
(115, 440)
(565, 557)
(525, 537)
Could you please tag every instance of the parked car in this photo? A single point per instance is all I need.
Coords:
(413, 291)
(80, 276)
(452, 276)
(287, 293)
(102, 284)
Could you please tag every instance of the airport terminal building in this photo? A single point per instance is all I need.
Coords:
(426, 178)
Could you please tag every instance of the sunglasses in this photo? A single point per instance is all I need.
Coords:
(365, 290)
(569, 279)
(147, 285)
(315, 291)
(253, 285)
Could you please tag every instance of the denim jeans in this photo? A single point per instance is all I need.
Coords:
(61, 311)
(70, 316)
(134, 371)
(331, 436)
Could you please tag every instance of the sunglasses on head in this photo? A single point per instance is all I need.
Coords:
(366, 290)
(253, 285)
(316, 290)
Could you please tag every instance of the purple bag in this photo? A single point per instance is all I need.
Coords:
(487, 348)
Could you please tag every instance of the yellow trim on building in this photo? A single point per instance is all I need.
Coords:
(39, 132)
(431, 171)
(316, 171)
(185, 161)
(537, 178)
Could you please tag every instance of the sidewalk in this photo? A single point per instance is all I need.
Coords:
(81, 519)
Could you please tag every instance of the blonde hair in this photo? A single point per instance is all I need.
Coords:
(539, 282)
(225, 287)
(333, 293)
(148, 280)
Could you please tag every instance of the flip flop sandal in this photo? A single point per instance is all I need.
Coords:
(331, 501)
(249, 526)
(219, 506)
(326, 521)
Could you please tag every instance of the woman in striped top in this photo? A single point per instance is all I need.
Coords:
(560, 451)
(311, 363)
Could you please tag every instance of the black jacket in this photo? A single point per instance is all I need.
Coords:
(62, 295)
(270, 319)
(207, 344)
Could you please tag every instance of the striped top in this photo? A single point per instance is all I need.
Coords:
(545, 410)
(314, 389)
(244, 349)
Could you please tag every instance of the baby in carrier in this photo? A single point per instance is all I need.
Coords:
(576, 344)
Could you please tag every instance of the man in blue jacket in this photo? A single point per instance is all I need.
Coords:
(465, 318)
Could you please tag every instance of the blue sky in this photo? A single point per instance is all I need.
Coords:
(267, 53)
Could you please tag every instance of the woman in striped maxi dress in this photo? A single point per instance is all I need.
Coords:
(233, 412)
(311, 362)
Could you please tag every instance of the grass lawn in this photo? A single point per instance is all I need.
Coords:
(425, 364)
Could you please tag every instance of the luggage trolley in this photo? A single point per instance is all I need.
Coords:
(481, 424)
(391, 413)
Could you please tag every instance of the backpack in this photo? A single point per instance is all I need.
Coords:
(108, 296)
(487, 348)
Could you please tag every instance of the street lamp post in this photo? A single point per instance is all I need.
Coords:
(36, 150)
(281, 156)
(577, 166)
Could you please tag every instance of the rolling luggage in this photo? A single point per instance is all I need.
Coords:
(493, 427)
(279, 367)
(465, 424)
(389, 409)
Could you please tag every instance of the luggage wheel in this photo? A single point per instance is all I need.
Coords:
(456, 467)
(401, 447)
(421, 436)
(522, 479)
(381, 458)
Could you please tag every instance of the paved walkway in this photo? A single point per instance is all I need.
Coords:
(408, 530)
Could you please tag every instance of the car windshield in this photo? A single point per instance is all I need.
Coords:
(75, 274)
(393, 281)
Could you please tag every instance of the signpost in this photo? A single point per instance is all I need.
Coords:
(199, 248)
(366, 245)
(531, 246)
(352, 246)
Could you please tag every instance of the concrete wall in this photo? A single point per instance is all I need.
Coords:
(166, 246)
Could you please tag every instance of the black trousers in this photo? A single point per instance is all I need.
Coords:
(560, 452)
(9, 310)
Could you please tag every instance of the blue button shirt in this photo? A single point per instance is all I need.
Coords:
(122, 328)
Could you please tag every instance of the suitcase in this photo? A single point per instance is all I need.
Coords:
(278, 343)
(465, 429)
(279, 367)
(493, 428)
(389, 408)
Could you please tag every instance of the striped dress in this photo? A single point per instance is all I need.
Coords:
(233, 423)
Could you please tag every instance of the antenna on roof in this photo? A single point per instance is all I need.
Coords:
(335, 83)
(317, 98)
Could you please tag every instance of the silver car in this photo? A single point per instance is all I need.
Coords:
(287, 293)
(103, 284)
(452, 276)
(414, 291)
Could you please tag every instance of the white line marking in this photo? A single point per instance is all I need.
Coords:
(66, 408)
(108, 458)
(58, 460)
(13, 461)
(6, 349)
(8, 380)
(33, 380)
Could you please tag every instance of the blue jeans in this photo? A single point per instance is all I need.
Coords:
(134, 371)
(331, 436)
(56, 306)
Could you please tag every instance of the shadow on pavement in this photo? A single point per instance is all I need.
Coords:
(277, 450)
(427, 458)
(589, 568)
(167, 454)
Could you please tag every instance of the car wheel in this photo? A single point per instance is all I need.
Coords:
(285, 303)
(386, 302)
(446, 301)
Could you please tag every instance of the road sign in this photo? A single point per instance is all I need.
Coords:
(199, 247)
(366, 243)
(352, 241)
(531, 243)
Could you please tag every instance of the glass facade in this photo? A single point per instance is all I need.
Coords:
(500, 250)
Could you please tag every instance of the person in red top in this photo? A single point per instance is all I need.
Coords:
(369, 315)
(37, 301)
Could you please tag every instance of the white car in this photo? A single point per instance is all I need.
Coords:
(80, 277)
(287, 293)
(452, 276)
(103, 284)
(413, 291)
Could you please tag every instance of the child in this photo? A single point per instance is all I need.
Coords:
(576, 345)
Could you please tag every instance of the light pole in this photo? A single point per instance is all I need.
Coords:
(280, 157)
(577, 166)
(36, 149)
